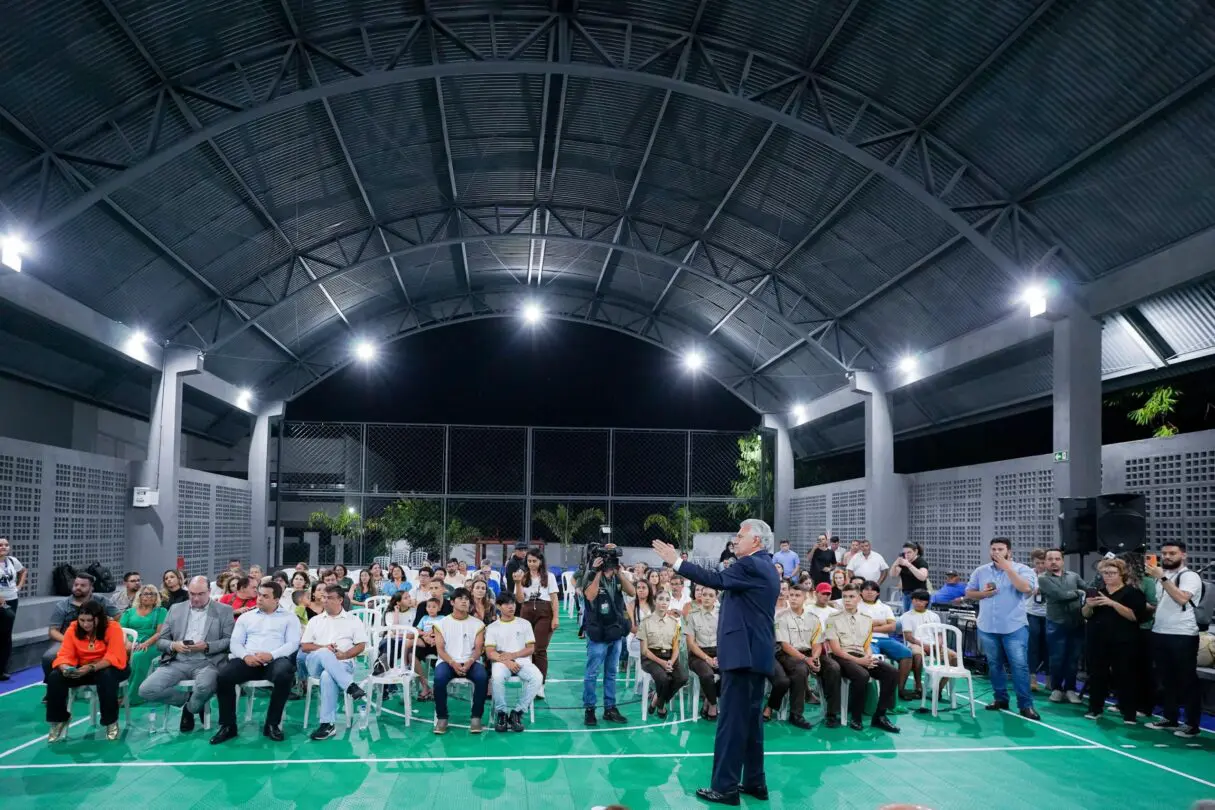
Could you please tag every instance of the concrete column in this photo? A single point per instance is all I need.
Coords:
(1077, 406)
(885, 492)
(782, 475)
(152, 539)
(259, 484)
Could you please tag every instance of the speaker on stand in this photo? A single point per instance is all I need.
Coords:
(1121, 522)
(1078, 525)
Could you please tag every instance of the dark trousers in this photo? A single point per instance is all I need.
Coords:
(738, 747)
(798, 673)
(1038, 650)
(1141, 666)
(8, 617)
(106, 682)
(705, 674)
(280, 672)
(666, 684)
(1176, 660)
(1110, 668)
(780, 686)
(539, 614)
(444, 675)
(858, 685)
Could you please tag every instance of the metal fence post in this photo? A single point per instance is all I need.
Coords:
(277, 558)
(687, 493)
(446, 488)
(611, 479)
(529, 488)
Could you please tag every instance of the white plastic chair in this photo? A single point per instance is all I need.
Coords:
(514, 680)
(938, 640)
(250, 687)
(373, 623)
(401, 653)
(644, 682)
(696, 693)
(187, 685)
(567, 584)
(377, 603)
(347, 703)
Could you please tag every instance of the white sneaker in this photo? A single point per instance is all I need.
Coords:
(1189, 732)
(1072, 697)
(1056, 696)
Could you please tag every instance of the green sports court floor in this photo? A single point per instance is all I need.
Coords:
(996, 761)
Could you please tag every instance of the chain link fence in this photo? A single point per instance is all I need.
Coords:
(354, 492)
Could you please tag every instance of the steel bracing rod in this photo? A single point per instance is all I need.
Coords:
(812, 338)
(451, 242)
(830, 40)
(196, 125)
(559, 43)
(578, 300)
(462, 271)
(183, 266)
(681, 69)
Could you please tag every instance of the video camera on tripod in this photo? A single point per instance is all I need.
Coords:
(604, 550)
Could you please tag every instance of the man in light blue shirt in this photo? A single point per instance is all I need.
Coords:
(788, 560)
(263, 648)
(1003, 590)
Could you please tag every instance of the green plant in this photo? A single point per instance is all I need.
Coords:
(680, 526)
(1156, 410)
(345, 523)
(458, 532)
(420, 522)
(564, 527)
(752, 486)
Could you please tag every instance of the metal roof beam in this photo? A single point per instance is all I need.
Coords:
(462, 271)
(1177, 265)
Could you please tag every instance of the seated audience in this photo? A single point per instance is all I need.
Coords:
(263, 648)
(908, 623)
(330, 577)
(849, 634)
(658, 636)
(315, 605)
(1113, 614)
(459, 639)
(93, 653)
(174, 590)
(953, 592)
(128, 594)
(344, 580)
(65, 613)
(822, 608)
(798, 635)
(397, 582)
(330, 643)
(782, 599)
(192, 644)
(883, 625)
(509, 643)
(255, 571)
(244, 598)
(700, 630)
(427, 620)
(482, 603)
(492, 577)
(839, 578)
(146, 617)
(300, 581)
(455, 576)
(681, 599)
(364, 589)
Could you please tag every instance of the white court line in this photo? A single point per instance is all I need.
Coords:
(595, 730)
(37, 740)
(1117, 751)
(22, 688)
(542, 757)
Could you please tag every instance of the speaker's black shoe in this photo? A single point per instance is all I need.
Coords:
(223, 734)
(187, 721)
(832, 721)
(273, 732)
(884, 724)
(800, 722)
(855, 724)
(718, 798)
(759, 792)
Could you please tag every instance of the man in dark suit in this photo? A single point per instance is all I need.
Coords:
(745, 642)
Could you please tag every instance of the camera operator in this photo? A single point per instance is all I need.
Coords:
(603, 588)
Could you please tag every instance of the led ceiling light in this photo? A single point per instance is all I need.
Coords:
(12, 249)
(365, 350)
(1034, 297)
(909, 364)
(693, 360)
(244, 399)
(799, 413)
(532, 313)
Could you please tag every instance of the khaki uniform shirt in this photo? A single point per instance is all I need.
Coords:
(852, 630)
(658, 632)
(702, 627)
(799, 632)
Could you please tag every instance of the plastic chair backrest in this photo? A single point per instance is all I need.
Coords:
(938, 640)
(132, 636)
(377, 603)
(402, 643)
(567, 580)
(372, 620)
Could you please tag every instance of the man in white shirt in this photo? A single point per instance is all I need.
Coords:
(331, 642)
(509, 643)
(455, 577)
(1175, 640)
(263, 648)
(680, 598)
(868, 564)
(458, 642)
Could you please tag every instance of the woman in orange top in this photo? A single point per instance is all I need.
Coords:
(94, 653)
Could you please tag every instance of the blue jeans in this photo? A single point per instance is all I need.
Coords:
(1037, 645)
(1008, 649)
(335, 676)
(444, 675)
(603, 655)
(1065, 644)
(906, 601)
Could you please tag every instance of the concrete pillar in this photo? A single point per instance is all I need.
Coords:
(1077, 406)
(259, 484)
(885, 492)
(782, 476)
(152, 539)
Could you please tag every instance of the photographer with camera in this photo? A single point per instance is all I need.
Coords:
(604, 586)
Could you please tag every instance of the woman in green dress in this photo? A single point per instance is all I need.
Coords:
(147, 618)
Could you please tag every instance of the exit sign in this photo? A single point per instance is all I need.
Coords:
(1060, 455)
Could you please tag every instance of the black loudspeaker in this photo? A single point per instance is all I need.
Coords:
(1121, 522)
(1078, 525)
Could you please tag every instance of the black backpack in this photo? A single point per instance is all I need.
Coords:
(61, 579)
(103, 578)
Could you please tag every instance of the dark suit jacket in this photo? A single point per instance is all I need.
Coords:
(217, 634)
(746, 636)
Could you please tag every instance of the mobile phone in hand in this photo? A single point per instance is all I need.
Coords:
(1150, 560)
(1091, 592)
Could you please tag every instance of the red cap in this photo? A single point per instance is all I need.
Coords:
(823, 587)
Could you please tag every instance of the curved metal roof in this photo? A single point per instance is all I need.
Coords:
(798, 188)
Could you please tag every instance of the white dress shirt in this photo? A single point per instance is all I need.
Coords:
(343, 631)
(277, 633)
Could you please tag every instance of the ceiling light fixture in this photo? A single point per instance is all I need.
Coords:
(693, 360)
(532, 313)
(909, 364)
(799, 413)
(365, 351)
(12, 249)
(1034, 296)
(244, 399)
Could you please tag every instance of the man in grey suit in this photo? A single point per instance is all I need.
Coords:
(194, 643)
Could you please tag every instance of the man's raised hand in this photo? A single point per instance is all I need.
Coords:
(666, 551)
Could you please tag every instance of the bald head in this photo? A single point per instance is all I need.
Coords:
(200, 592)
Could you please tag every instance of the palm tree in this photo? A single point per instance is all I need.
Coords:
(459, 532)
(680, 526)
(564, 527)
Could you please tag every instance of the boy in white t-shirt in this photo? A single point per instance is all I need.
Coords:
(918, 615)
(458, 642)
(509, 643)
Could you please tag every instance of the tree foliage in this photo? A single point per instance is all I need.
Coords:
(416, 521)
(679, 526)
(755, 480)
(566, 527)
(347, 523)
(1157, 409)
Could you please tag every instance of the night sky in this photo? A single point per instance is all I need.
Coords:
(502, 372)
